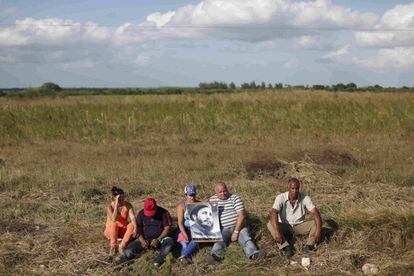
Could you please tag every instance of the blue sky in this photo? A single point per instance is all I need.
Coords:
(151, 43)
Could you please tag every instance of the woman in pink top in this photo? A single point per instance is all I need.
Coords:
(117, 225)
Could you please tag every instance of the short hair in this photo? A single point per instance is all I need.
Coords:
(220, 183)
(294, 180)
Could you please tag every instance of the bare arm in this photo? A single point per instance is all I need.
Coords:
(141, 239)
(318, 222)
(110, 213)
(180, 219)
(241, 218)
(164, 233)
(114, 212)
(274, 221)
(132, 218)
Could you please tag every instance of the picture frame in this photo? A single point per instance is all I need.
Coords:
(204, 222)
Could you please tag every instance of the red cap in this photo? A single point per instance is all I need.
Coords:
(150, 207)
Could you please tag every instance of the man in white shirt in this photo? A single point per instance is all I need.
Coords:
(288, 214)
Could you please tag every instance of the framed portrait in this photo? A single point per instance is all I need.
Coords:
(204, 222)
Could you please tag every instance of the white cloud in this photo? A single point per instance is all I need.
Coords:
(399, 58)
(253, 20)
(160, 19)
(319, 14)
(401, 16)
(340, 55)
(307, 42)
(10, 37)
(261, 19)
(324, 14)
(394, 37)
(52, 31)
(395, 29)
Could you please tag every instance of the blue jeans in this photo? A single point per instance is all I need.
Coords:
(188, 248)
(244, 240)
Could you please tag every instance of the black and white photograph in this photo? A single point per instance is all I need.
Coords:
(204, 222)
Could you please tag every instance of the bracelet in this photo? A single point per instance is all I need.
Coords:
(235, 231)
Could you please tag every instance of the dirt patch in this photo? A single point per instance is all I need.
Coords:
(327, 157)
(336, 161)
(309, 173)
(260, 168)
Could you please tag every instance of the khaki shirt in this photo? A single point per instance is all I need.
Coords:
(296, 214)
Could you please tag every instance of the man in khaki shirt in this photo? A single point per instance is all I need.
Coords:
(288, 214)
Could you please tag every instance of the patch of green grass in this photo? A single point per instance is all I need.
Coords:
(396, 178)
(197, 118)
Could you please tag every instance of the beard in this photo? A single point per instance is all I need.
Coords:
(208, 224)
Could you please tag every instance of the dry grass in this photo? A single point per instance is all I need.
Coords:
(53, 191)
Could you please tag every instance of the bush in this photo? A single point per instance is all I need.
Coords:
(50, 86)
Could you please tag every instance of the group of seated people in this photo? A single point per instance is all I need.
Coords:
(151, 228)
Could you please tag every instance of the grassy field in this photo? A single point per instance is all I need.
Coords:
(354, 154)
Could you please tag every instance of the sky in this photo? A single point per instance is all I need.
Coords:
(157, 43)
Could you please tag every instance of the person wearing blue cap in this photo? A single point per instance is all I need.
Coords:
(188, 246)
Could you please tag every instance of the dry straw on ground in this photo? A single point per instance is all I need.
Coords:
(357, 166)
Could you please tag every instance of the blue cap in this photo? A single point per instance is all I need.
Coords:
(190, 190)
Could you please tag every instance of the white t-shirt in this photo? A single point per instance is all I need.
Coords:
(296, 214)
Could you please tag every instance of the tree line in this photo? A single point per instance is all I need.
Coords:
(50, 89)
(340, 87)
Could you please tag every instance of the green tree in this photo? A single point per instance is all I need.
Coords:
(351, 86)
(50, 87)
(245, 85)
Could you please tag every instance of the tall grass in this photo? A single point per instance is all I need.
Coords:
(200, 117)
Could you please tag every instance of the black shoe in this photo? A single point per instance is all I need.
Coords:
(186, 261)
(287, 251)
(214, 259)
(308, 249)
(158, 260)
(258, 256)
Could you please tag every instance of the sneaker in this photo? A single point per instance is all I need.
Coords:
(308, 249)
(287, 251)
(258, 256)
(158, 261)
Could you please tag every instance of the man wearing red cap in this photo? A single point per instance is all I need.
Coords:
(153, 227)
